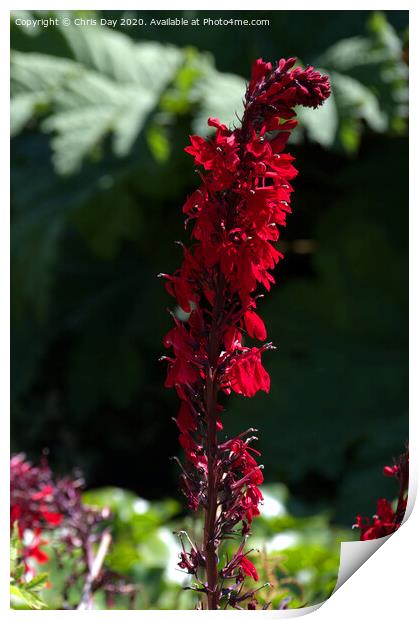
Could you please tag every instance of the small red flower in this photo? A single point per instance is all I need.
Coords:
(33, 550)
(246, 375)
(248, 568)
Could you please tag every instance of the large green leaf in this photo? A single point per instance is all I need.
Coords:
(111, 87)
(221, 96)
(369, 81)
(357, 101)
(321, 124)
(113, 54)
(35, 79)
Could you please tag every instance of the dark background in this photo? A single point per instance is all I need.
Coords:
(90, 237)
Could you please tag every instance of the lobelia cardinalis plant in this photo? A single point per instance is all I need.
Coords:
(235, 215)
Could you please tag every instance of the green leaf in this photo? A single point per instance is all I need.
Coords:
(41, 73)
(350, 134)
(321, 124)
(346, 54)
(37, 583)
(221, 96)
(356, 100)
(159, 143)
(35, 79)
(122, 556)
(122, 503)
(113, 54)
(112, 87)
(22, 599)
(15, 547)
(385, 34)
(31, 30)
(153, 551)
(180, 98)
(369, 81)
(22, 108)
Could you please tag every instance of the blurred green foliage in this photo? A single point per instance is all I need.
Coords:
(99, 121)
(298, 557)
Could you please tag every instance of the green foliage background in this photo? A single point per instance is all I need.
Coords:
(99, 121)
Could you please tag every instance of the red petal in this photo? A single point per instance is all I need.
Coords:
(40, 556)
(53, 518)
(249, 568)
(254, 325)
(185, 419)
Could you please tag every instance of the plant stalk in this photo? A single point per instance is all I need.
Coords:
(210, 544)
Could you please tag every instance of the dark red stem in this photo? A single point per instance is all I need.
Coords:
(210, 543)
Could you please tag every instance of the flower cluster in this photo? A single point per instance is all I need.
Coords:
(33, 504)
(235, 216)
(388, 519)
(50, 510)
(42, 504)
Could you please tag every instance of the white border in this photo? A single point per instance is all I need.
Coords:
(385, 586)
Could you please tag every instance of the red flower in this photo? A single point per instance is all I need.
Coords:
(391, 471)
(260, 70)
(382, 524)
(240, 454)
(185, 420)
(33, 550)
(193, 451)
(203, 152)
(183, 368)
(240, 561)
(53, 518)
(33, 502)
(248, 568)
(246, 375)
(387, 520)
(251, 501)
(235, 217)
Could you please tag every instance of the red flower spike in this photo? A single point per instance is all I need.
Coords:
(235, 218)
